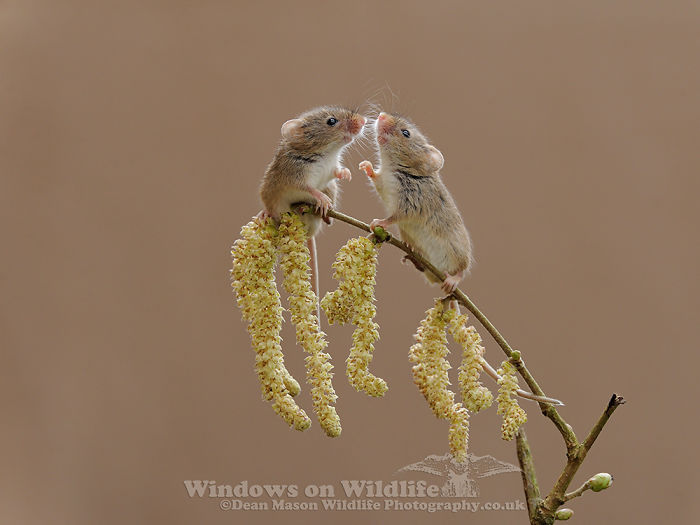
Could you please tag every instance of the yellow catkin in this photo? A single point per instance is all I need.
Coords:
(353, 301)
(475, 396)
(294, 261)
(513, 416)
(253, 281)
(459, 432)
(430, 373)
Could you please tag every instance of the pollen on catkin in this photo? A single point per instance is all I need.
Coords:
(475, 396)
(294, 261)
(430, 373)
(513, 416)
(253, 281)
(353, 301)
(459, 432)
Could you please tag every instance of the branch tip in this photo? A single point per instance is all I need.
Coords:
(616, 401)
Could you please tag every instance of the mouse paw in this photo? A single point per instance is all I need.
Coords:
(323, 204)
(263, 215)
(367, 167)
(379, 223)
(451, 282)
(342, 173)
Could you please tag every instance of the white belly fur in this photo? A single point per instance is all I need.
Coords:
(435, 249)
(320, 175)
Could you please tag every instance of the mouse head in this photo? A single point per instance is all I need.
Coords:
(323, 130)
(403, 145)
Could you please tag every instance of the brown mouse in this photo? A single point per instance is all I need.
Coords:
(409, 184)
(306, 165)
(307, 162)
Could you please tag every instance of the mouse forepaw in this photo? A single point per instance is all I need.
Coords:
(342, 173)
(367, 167)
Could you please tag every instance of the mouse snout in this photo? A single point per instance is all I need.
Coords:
(356, 123)
(385, 124)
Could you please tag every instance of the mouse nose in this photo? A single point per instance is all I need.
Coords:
(384, 123)
(356, 123)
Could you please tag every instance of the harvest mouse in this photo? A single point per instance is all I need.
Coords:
(409, 185)
(306, 165)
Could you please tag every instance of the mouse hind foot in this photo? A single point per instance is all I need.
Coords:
(451, 281)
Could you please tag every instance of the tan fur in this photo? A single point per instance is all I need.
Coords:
(409, 184)
(307, 159)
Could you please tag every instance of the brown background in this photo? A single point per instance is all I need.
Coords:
(133, 136)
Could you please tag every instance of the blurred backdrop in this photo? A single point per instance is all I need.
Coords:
(133, 136)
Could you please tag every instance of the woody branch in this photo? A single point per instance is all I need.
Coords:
(541, 511)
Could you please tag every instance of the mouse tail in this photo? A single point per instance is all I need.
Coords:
(314, 277)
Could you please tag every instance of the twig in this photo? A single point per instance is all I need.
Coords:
(615, 401)
(527, 470)
(493, 374)
(564, 428)
(557, 495)
(576, 493)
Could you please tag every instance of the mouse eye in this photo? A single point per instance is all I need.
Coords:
(332, 121)
(406, 133)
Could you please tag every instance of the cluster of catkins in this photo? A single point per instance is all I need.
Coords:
(513, 416)
(430, 373)
(253, 281)
(353, 302)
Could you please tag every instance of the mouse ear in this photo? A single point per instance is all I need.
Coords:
(435, 159)
(291, 128)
